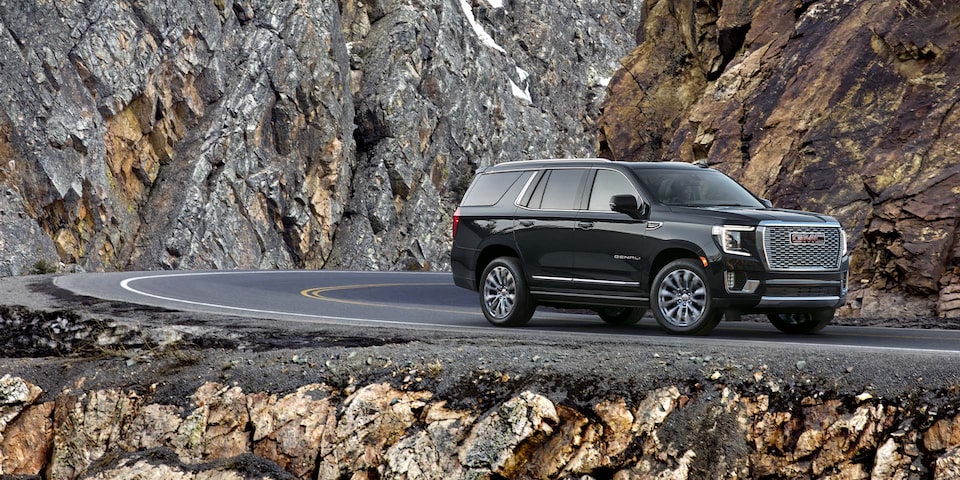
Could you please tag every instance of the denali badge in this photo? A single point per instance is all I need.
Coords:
(626, 257)
(807, 238)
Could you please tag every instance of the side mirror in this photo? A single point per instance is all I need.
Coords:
(627, 204)
(766, 203)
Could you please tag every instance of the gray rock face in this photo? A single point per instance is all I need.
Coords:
(179, 134)
(445, 87)
(145, 134)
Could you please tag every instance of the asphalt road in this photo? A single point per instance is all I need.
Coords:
(430, 301)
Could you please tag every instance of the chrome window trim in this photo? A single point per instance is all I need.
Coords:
(523, 191)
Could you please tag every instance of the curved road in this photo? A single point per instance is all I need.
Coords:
(431, 301)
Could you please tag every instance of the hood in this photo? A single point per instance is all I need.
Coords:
(752, 216)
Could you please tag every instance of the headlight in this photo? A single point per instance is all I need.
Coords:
(843, 243)
(730, 238)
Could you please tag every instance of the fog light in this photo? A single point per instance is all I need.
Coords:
(731, 281)
(737, 282)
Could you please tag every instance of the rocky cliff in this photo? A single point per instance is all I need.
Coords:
(140, 134)
(378, 431)
(837, 106)
(146, 134)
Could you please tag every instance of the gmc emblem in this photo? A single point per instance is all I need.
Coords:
(807, 238)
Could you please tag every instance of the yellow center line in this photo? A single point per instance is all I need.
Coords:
(318, 294)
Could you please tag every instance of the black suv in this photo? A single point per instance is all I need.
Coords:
(686, 241)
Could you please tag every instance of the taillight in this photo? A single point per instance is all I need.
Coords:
(456, 221)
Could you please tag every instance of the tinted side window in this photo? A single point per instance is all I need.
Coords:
(561, 189)
(537, 197)
(489, 188)
(606, 184)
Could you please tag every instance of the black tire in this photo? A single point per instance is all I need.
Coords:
(681, 300)
(504, 297)
(621, 316)
(805, 322)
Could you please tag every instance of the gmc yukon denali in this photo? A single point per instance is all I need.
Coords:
(684, 241)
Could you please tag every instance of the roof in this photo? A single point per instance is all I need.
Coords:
(587, 162)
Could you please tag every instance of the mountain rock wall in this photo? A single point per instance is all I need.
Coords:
(844, 107)
(145, 134)
(175, 134)
(380, 431)
(446, 86)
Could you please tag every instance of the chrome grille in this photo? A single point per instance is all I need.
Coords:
(781, 254)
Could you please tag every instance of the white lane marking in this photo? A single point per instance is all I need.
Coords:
(125, 284)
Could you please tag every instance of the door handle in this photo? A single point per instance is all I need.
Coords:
(585, 225)
(526, 223)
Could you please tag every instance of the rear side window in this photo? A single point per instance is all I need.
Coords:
(557, 190)
(489, 188)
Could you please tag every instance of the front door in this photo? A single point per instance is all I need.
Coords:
(611, 247)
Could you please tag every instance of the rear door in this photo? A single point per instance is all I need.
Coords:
(486, 217)
(545, 226)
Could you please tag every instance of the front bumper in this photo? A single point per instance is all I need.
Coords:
(745, 286)
(780, 303)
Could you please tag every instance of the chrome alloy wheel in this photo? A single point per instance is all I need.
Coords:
(500, 292)
(682, 297)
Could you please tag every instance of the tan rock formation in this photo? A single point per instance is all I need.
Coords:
(943, 435)
(948, 465)
(26, 443)
(844, 107)
(379, 431)
(289, 430)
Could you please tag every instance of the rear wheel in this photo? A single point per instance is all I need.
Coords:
(681, 299)
(504, 297)
(622, 316)
(805, 322)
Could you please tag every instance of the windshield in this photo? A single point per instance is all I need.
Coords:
(697, 188)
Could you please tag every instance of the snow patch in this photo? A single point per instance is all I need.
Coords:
(495, 3)
(485, 37)
(521, 94)
(522, 74)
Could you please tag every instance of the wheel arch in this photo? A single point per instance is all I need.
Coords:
(488, 254)
(667, 256)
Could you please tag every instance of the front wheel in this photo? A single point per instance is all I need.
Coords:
(805, 322)
(681, 299)
(621, 316)
(504, 297)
